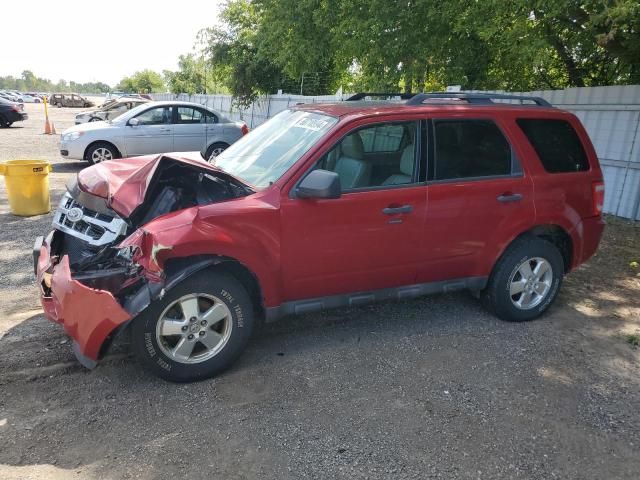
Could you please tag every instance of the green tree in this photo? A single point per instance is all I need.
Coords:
(145, 81)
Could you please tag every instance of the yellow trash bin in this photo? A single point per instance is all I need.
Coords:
(27, 186)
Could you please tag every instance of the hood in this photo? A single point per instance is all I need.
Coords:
(87, 127)
(86, 113)
(124, 182)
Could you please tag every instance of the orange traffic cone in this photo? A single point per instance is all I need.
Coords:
(47, 127)
(53, 129)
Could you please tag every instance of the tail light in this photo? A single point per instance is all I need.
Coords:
(244, 129)
(598, 197)
(15, 108)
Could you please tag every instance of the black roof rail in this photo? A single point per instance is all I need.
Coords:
(362, 95)
(475, 98)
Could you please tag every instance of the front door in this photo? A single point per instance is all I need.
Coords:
(479, 199)
(153, 134)
(368, 238)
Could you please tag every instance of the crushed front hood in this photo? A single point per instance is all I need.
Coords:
(124, 182)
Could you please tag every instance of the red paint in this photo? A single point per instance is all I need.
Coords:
(88, 315)
(300, 248)
(124, 182)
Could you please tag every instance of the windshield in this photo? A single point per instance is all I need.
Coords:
(130, 114)
(264, 155)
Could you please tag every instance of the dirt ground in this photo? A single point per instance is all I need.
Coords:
(429, 388)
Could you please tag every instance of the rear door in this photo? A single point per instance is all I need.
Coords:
(189, 131)
(479, 197)
(153, 134)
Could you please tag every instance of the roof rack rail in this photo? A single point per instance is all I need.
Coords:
(475, 98)
(362, 95)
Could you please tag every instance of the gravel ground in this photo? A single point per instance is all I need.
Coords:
(430, 388)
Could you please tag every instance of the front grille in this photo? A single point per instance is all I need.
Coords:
(93, 227)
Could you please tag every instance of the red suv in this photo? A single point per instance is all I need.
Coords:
(322, 206)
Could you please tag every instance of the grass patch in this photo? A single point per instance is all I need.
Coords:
(633, 340)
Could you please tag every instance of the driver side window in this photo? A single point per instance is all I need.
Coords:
(155, 116)
(375, 156)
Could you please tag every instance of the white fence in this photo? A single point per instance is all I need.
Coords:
(611, 115)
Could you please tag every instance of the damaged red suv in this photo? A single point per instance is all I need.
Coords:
(322, 206)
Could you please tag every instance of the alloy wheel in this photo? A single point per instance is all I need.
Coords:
(214, 153)
(101, 154)
(530, 283)
(194, 328)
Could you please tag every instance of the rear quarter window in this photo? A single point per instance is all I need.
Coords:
(556, 143)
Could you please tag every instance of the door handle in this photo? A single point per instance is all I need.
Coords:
(509, 197)
(395, 210)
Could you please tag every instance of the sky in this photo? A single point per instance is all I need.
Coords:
(87, 41)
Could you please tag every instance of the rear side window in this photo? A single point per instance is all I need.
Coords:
(556, 143)
(469, 149)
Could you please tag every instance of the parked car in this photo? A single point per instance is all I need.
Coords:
(11, 112)
(113, 95)
(110, 110)
(322, 206)
(30, 98)
(10, 96)
(153, 127)
(69, 100)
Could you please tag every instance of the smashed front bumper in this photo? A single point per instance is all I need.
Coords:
(89, 315)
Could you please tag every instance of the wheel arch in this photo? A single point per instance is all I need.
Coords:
(181, 268)
(217, 141)
(553, 233)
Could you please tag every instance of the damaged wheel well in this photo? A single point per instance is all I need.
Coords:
(248, 281)
(179, 269)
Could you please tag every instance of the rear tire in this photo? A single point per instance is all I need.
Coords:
(195, 331)
(59, 105)
(525, 281)
(214, 150)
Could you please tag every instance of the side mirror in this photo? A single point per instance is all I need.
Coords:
(134, 122)
(320, 184)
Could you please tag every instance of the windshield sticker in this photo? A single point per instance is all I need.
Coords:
(315, 124)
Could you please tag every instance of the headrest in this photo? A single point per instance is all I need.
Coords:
(407, 160)
(352, 146)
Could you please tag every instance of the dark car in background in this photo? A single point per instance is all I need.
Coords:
(11, 112)
(69, 100)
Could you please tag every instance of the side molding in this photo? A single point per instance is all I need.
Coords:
(362, 298)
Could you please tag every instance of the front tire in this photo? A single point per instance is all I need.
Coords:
(197, 330)
(4, 123)
(525, 281)
(101, 152)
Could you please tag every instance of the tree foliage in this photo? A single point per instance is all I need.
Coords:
(316, 46)
(29, 82)
(144, 81)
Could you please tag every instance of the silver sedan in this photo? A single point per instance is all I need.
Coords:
(154, 127)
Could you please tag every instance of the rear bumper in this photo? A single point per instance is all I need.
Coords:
(15, 116)
(89, 316)
(591, 233)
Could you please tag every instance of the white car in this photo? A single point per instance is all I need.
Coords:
(153, 127)
(110, 110)
(29, 99)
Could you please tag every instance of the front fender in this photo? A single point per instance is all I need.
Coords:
(249, 236)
